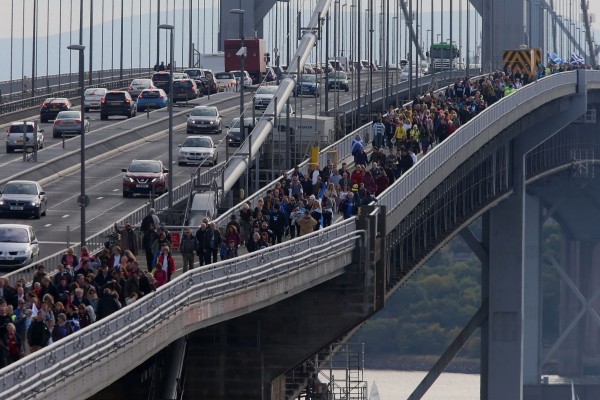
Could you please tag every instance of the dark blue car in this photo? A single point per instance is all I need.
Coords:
(308, 84)
(152, 99)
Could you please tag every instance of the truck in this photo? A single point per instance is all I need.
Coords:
(255, 60)
(305, 133)
(443, 56)
(524, 60)
(213, 61)
(339, 63)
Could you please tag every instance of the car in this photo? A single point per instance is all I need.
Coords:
(207, 85)
(137, 85)
(194, 73)
(152, 98)
(19, 246)
(161, 80)
(23, 197)
(145, 177)
(184, 90)
(205, 119)
(197, 150)
(263, 96)
(93, 97)
(117, 102)
(338, 80)
(308, 84)
(52, 106)
(14, 135)
(234, 134)
(225, 80)
(69, 122)
(238, 76)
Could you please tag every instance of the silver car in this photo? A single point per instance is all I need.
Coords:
(69, 122)
(92, 98)
(18, 246)
(197, 150)
(205, 119)
(137, 85)
(15, 139)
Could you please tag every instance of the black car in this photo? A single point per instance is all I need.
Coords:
(207, 85)
(161, 80)
(184, 90)
(52, 106)
(117, 102)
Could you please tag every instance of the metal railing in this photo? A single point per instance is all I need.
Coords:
(100, 342)
(394, 196)
(71, 90)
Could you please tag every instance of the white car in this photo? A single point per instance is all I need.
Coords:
(18, 246)
(197, 150)
(93, 97)
(247, 78)
(225, 80)
(137, 85)
(263, 96)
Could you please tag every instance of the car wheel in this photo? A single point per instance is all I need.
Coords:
(347, 89)
(9, 149)
(129, 114)
(181, 164)
(43, 120)
(86, 109)
(103, 117)
(37, 214)
(126, 194)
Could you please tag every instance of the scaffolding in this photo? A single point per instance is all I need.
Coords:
(339, 374)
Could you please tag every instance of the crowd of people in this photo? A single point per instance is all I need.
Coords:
(88, 287)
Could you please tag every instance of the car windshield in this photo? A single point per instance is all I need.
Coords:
(308, 78)
(224, 75)
(145, 167)
(14, 235)
(192, 73)
(18, 128)
(150, 93)
(115, 96)
(204, 112)
(161, 77)
(197, 142)
(182, 83)
(338, 75)
(68, 114)
(96, 92)
(20, 188)
(267, 90)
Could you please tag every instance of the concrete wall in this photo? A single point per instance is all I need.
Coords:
(245, 358)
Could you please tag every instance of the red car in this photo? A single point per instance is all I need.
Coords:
(145, 177)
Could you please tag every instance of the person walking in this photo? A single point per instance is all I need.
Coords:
(188, 247)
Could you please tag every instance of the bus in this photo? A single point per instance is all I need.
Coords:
(443, 57)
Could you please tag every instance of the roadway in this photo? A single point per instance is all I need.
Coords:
(103, 174)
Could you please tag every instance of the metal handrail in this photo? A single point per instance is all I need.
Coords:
(42, 370)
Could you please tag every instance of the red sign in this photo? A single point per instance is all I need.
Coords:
(175, 240)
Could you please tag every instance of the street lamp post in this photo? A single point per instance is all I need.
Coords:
(170, 28)
(242, 54)
(83, 200)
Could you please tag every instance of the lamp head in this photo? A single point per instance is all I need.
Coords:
(77, 47)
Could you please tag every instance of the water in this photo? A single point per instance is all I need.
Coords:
(398, 385)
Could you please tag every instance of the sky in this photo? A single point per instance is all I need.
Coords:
(55, 16)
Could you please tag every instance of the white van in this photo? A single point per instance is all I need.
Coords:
(203, 206)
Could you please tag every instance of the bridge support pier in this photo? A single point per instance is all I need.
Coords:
(505, 319)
